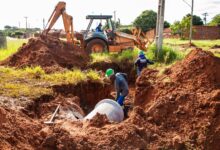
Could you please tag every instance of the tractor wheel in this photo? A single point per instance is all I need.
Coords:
(96, 46)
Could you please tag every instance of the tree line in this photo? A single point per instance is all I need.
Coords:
(147, 21)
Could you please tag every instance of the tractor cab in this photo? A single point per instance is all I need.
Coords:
(105, 38)
(98, 37)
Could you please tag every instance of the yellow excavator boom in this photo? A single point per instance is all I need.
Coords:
(59, 10)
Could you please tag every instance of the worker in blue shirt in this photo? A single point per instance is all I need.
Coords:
(121, 85)
(99, 28)
(141, 62)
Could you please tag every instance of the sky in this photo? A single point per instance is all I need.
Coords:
(13, 12)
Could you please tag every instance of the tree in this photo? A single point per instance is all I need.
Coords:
(166, 24)
(7, 27)
(176, 28)
(196, 19)
(215, 21)
(147, 20)
(182, 27)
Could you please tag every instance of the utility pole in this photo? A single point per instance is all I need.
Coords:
(43, 23)
(160, 26)
(114, 16)
(205, 15)
(26, 22)
(114, 19)
(191, 24)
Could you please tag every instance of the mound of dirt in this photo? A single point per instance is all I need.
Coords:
(133, 133)
(48, 52)
(17, 130)
(183, 103)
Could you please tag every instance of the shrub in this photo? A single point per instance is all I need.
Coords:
(167, 55)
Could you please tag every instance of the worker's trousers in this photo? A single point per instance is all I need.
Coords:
(120, 100)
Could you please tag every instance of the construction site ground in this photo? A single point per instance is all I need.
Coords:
(174, 108)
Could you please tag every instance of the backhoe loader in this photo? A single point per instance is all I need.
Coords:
(110, 40)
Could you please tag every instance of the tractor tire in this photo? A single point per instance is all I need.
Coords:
(96, 46)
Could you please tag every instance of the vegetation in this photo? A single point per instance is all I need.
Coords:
(126, 55)
(204, 44)
(16, 32)
(147, 20)
(182, 27)
(215, 21)
(34, 82)
(167, 56)
(12, 47)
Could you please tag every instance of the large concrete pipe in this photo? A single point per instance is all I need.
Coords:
(110, 108)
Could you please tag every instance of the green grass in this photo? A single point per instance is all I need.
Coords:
(204, 44)
(168, 55)
(175, 41)
(217, 55)
(126, 55)
(34, 82)
(99, 57)
(12, 47)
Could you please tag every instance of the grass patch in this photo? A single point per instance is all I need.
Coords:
(22, 89)
(126, 55)
(167, 56)
(175, 41)
(99, 57)
(34, 82)
(12, 47)
(217, 55)
(204, 44)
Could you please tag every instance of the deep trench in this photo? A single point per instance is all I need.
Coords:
(89, 93)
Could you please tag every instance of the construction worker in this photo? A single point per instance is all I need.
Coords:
(141, 62)
(99, 28)
(121, 85)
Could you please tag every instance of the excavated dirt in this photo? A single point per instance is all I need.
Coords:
(179, 109)
(184, 102)
(50, 53)
(18, 131)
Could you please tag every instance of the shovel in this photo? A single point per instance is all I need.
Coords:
(51, 121)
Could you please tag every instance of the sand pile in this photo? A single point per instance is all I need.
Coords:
(48, 53)
(184, 102)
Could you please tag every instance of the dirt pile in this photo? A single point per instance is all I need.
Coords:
(48, 53)
(17, 130)
(183, 103)
(133, 133)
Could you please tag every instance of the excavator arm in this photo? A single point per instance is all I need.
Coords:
(59, 10)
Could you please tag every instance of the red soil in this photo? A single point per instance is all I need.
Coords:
(179, 109)
(48, 53)
(184, 102)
